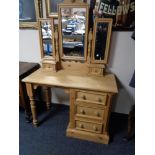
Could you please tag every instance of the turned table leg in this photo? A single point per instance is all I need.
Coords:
(47, 97)
(30, 93)
(131, 123)
(24, 101)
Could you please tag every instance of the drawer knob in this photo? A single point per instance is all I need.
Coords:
(100, 100)
(97, 114)
(81, 126)
(95, 128)
(84, 97)
(82, 111)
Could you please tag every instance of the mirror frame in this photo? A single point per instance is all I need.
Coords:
(73, 5)
(51, 20)
(38, 12)
(102, 20)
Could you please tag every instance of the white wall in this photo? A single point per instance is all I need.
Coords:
(29, 48)
(121, 63)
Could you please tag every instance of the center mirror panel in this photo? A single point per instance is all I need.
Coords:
(73, 28)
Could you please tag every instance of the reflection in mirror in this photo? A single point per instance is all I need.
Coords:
(46, 37)
(100, 42)
(101, 39)
(73, 24)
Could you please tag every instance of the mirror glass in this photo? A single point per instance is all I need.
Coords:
(73, 26)
(27, 11)
(46, 33)
(100, 41)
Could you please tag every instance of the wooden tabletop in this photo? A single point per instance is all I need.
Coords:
(73, 79)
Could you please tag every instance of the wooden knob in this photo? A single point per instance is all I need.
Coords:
(100, 100)
(96, 70)
(82, 111)
(84, 97)
(95, 128)
(81, 126)
(97, 114)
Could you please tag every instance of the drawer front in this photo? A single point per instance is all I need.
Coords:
(91, 127)
(85, 111)
(89, 104)
(92, 97)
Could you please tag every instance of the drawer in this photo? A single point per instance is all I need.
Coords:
(93, 112)
(91, 127)
(89, 104)
(92, 97)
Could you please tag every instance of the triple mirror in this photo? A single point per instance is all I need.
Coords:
(101, 40)
(73, 30)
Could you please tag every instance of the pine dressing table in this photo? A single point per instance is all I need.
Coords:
(90, 100)
(80, 71)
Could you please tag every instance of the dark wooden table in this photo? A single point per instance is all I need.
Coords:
(25, 69)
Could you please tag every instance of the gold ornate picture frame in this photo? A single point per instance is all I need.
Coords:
(29, 12)
(52, 7)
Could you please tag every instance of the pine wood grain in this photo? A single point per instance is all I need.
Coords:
(73, 79)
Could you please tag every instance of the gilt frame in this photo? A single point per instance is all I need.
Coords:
(38, 10)
(49, 12)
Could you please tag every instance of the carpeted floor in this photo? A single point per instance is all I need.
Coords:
(50, 137)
